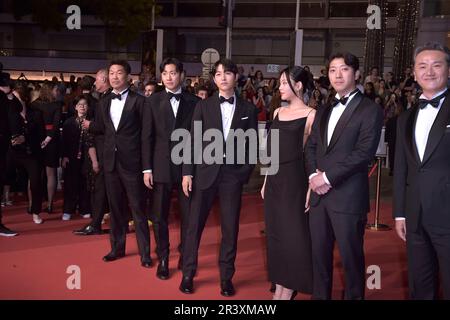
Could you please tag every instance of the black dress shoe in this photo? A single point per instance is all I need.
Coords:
(147, 263)
(226, 288)
(49, 209)
(88, 231)
(113, 256)
(187, 285)
(294, 294)
(273, 287)
(163, 269)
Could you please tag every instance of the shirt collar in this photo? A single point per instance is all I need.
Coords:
(176, 92)
(124, 91)
(350, 95)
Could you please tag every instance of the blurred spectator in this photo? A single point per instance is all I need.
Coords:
(259, 102)
(324, 82)
(202, 92)
(382, 92)
(391, 84)
(391, 105)
(150, 88)
(369, 90)
(258, 80)
(373, 77)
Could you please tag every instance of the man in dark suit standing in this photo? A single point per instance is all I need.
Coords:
(422, 176)
(10, 134)
(121, 117)
(170, 110)
(343, 141)
(223, 112)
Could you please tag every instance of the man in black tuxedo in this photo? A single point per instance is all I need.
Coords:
(10, 134)
(171, 109)
(121, 117)
(343, 141)
(422, 176)
(223, 177)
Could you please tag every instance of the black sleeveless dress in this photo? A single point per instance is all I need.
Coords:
(287, 225)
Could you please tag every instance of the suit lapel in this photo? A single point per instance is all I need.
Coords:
(216, 113)
(344, 119)
(129, 103)
(438, 129)
(167, 112)
(324, 124)
(236, 115)
(181, 110)
(410, 136)
(108, 113)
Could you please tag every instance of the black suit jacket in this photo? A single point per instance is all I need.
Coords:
(161, 125)
(346, 159)
(129, 144)
(10, 124)
(208, 113)
(423, 186)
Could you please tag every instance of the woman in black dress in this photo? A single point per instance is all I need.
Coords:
(285, 193)
(51, 112)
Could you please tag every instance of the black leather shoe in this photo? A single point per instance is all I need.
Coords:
(88, 231)
(163, 269)
(187, 285)
(226, 288)
(112, 256)
(147, 263)
(272, 287)
(294, 294)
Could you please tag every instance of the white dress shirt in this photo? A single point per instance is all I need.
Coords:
(227, 111)
(336, 114)
(174, 102)
(117, 107)
(425, 120)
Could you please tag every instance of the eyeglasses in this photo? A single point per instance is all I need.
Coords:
(82, 105)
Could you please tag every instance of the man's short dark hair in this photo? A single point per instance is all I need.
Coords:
(228, 66)
(435, 46)
(349, 59)
(177, 63)
(122, 63)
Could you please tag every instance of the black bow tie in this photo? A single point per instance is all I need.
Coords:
(434, 102)
(342, 100)
(229, 100)
(174, 95)
(118, 95)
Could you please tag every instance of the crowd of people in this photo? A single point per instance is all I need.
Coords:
(113, 140)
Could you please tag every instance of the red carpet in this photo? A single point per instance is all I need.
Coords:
(33, 265)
